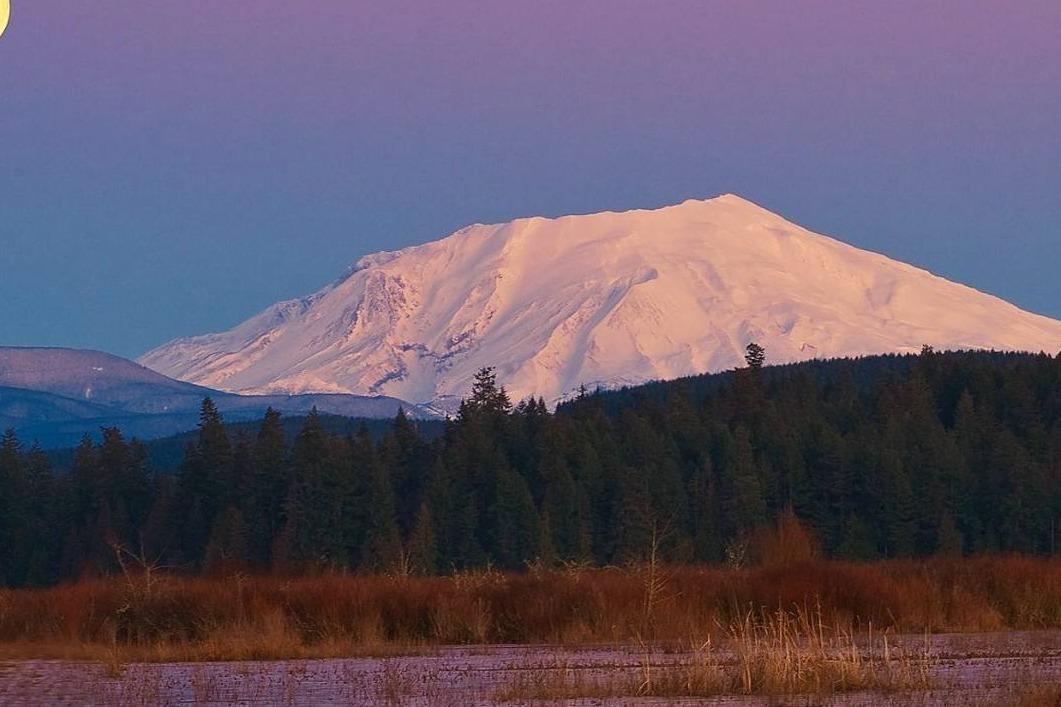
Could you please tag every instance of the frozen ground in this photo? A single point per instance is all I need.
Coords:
(968, 669)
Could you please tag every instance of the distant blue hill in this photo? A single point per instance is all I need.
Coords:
(54, 396)
(165, 454)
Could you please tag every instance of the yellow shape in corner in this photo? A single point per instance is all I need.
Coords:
(5, 15)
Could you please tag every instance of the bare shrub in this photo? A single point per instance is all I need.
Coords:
(786, 542)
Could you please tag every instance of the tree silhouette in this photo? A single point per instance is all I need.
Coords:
(754, 355)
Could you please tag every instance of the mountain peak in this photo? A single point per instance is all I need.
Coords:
(726, 198)
(609, 299)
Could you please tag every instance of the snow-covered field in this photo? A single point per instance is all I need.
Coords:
(605, 299)
(966, 669)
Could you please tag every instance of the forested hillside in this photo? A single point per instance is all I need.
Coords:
(879, 457)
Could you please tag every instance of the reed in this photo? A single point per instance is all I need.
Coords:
(762, 654)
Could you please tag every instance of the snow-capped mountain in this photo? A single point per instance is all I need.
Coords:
(55, 396)
(606, 299)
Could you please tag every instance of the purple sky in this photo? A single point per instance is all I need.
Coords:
(169, 168)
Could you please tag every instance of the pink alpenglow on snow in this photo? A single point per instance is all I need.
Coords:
(606, 299)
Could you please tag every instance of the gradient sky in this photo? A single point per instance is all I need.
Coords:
(170, 168)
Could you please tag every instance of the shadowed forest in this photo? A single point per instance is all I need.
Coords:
(883, 457)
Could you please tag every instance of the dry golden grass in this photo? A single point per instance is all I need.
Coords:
(773, 655)
(240, 617)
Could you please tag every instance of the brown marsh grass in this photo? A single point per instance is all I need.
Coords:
(242, 617)
(1037, 696)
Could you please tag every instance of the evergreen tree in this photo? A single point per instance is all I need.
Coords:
(487, 395)
(509, 530)
(382, 548)
(634, 520)
(858, 541)
(561, 518)
(743, 508)
(267, 492)
(314, 506)
(421, 548)
(754, 355)
(227, 547)
(703, 495)
(205, 484)
(891, 456)
(404, 454)
(14, 511)
(40, 539)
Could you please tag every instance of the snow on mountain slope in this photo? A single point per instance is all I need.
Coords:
(94, 376)
(115, 385)
(605, 299)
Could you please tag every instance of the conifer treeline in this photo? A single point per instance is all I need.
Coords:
(951, 453)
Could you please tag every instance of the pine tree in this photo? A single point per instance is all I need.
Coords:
(40, 537)
(891, 456)
(754, 355)
(857, 541)
(487, 395)
(124, 485)
(743, 507)
(634, 520)
(562, 518)
(703, 495)
(14, 511)
(314, 506)
(404, 454)
(192, 516)
(510, 526)
(421, 549)
(215, 448)
(833, 480)
(205, 483)
(382, 548)
(92, 533)
(268, 490)
(949, 539)
(227, 547)
(159, 536)
(897, 511)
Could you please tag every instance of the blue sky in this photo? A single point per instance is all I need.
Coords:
(171, 168)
